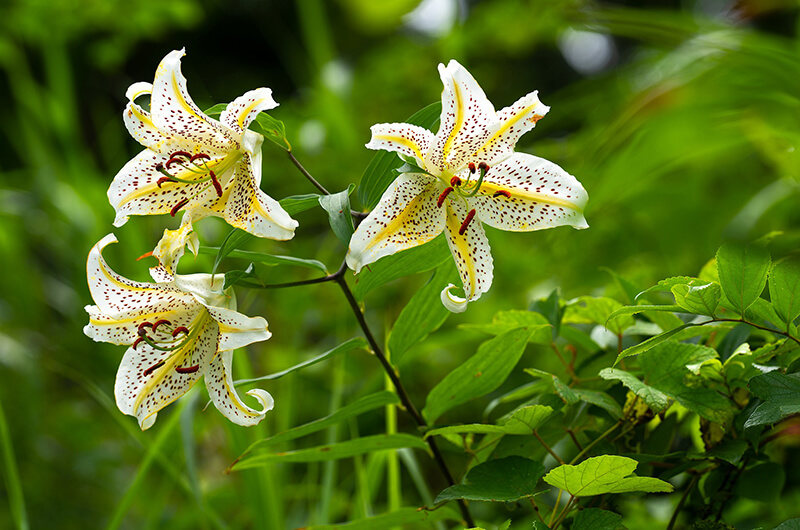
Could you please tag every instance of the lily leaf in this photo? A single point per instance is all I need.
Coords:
(601, 475)
(338, 207)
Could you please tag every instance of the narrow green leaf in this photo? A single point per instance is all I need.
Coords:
(652, 342)
(515, 319)
(268, 259)
(742, 273)
(418, 259)
(232, 241)
(272, 129)
(551, 309)
(216, 110)
(698, 299)
(636, 309)
(365, 404)
(667, 284)
(336, 451)
(480, 374)
(10, 474)
(502, 480)
(338, 207)
(597, 519)
(625, 286)
(784, 288)
(603, 474)
(300, 203)
(653, 398)
(381, 170)
(403, 516)
(357, 343)
(423, 314)
(522, 421)
(597, 310)
(781, 395)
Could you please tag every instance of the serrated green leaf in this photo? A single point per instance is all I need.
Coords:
(381, 170)
(480, 374)
(664, 367)
(418, 259)
(403, 516)
(300, 203)
(423, 314)
(784, 288)
(791, 524)
(502, 480)
(268, 259)
(599, 399)
(338, 207)
(781, 395)
(365, 404)
(700, 299)
(597, 310)
(653, 398)
(515, 319)
(597, 519)
(742, 273)
(335, 451)
(603, 474)
(667, 284)
(652, 342)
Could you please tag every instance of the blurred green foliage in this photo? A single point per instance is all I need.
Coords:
(685, 136)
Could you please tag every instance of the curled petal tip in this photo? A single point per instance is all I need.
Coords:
(455, 304)
(264, 398)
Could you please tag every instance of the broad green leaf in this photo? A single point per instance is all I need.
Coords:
(652, 342)
(268, 259)
(599, 399)
(335, 451)
(597, 310)
(563, 391)
(381, 170)
(597, 519)
(523, 421)
(781, 395)
(232, 241)
(730, 450)
(272, 129)
(514, 319)
(603, 474)
(653, 398)
(300, 203)
(791, 524)
(423, 314)
(480, 374)
(666, 285)
(762, 482)
(742, 273)
(502, 480)
(357, 343)
(784, 288)
(365, 404)
(418, 259)
(551, 309)
(403, 516)
(698, 299)
(338, 207)
(664, 367)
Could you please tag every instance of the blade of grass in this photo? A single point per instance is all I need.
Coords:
(16, 498)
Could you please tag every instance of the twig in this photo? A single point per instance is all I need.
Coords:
(595, 442)
(306, 174)
(681, 502)
(549, 449)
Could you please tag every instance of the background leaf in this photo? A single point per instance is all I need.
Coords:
(742, 273)
(603, 474)
(502, 480)
(781, 395)
(597, 519)
(784, 288)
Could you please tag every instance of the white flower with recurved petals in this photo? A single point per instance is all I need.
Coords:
(465, 175)
(194, 163)
(176, 332)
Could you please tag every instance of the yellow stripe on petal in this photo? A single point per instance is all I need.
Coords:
(489, 188)
(401, 141)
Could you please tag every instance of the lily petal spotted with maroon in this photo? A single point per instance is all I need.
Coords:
(467, 174)
(176, 333)
(193, 163)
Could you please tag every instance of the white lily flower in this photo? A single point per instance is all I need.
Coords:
(176, 332)
(194, 163)
(465, 175)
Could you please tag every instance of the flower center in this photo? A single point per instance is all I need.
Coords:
(195, 169)
(162, 335)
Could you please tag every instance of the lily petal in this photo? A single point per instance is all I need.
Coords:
(403, 138)
(144, 385)
(252, 210)
(237, 330)
(406, 216)
(243, 110)
(525, 193)
(122, 328)
(220, 387)
(468, 119)
(174, 113)
(135, 189)
(515, 121)
(170, 249)
(139, 122)
(473, 257)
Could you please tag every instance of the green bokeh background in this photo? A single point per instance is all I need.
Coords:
(688, 136)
